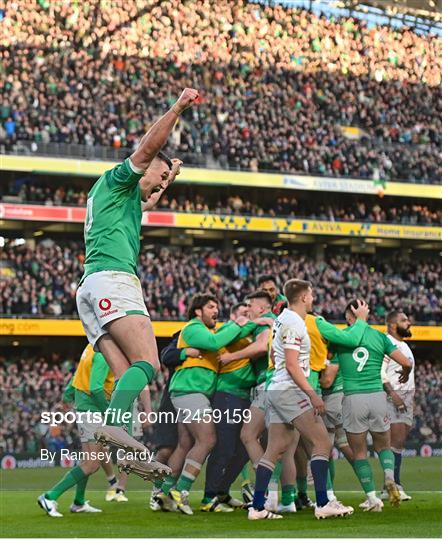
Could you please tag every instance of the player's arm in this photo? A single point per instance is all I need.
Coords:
(156, 137)
(328, 375)
(350, 337)
(99, 372)
(172, 356)
(403, 361)
(199, 337)
(254, 350)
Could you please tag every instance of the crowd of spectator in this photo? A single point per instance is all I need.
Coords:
(279, 86)
(322, 207)
(31, 385)
(427, 426)
(43, 281)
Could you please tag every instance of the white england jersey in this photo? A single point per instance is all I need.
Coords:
(289, 332)
(390, 367)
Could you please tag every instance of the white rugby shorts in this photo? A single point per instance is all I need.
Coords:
(106, 296)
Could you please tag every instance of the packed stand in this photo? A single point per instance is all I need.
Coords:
(278, 86)
(32, 385)
(428, 419)
(234, 204)
(43, 281)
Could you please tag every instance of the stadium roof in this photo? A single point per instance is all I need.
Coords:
(421, 15)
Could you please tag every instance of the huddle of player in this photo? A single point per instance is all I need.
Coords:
(253, 356)
(247, 365)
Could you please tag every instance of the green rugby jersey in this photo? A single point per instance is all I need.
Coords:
(261, 364)
(113, 221)
(360, 367)
(200, 375)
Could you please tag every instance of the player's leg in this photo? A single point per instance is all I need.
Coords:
(302, 457)
(356, 415)
(251, 433)
(204, 437)
(399, 434)
(221, 454)
(288, 478)
(111, 479)
(401, 422)
(133, 334)
(89, 467)
(165, 438)
(111, 303)
(78, 476)
(176, 461)
(280, 436)
(382, 446)
(312, 428)
(232, 455)
(379, 426)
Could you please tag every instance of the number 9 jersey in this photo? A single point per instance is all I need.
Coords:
(361, 367)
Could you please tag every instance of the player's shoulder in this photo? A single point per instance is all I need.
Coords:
(292, 319)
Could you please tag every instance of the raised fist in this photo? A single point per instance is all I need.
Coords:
(187, 98)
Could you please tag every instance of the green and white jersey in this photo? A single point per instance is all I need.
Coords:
(360, 367)
(113, 221)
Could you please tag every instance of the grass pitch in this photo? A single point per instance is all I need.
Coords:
(21, 517)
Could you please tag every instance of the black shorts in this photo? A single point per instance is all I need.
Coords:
(165, 432)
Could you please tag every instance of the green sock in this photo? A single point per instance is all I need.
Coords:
(245, 473)
(331, 474)
(288, 494)
(301, 484)
(80, 491)
(274, 479)
(168, 483)
(129, 387)
(69, 480)
(386, 457)
(184, 482)
(365, 474)
(158, 483)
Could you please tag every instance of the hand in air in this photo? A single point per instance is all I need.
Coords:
(187, 99)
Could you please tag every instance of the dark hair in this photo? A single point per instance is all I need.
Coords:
(198, 302)
(161, 155)
(293, 289)
(392, 316)
(266, 277)
(235, 307)
(262, 295)
(352, 304)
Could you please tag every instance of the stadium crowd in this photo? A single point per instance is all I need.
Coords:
(43, 281)
(324, 207)
(34, 384)
(279, 86)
